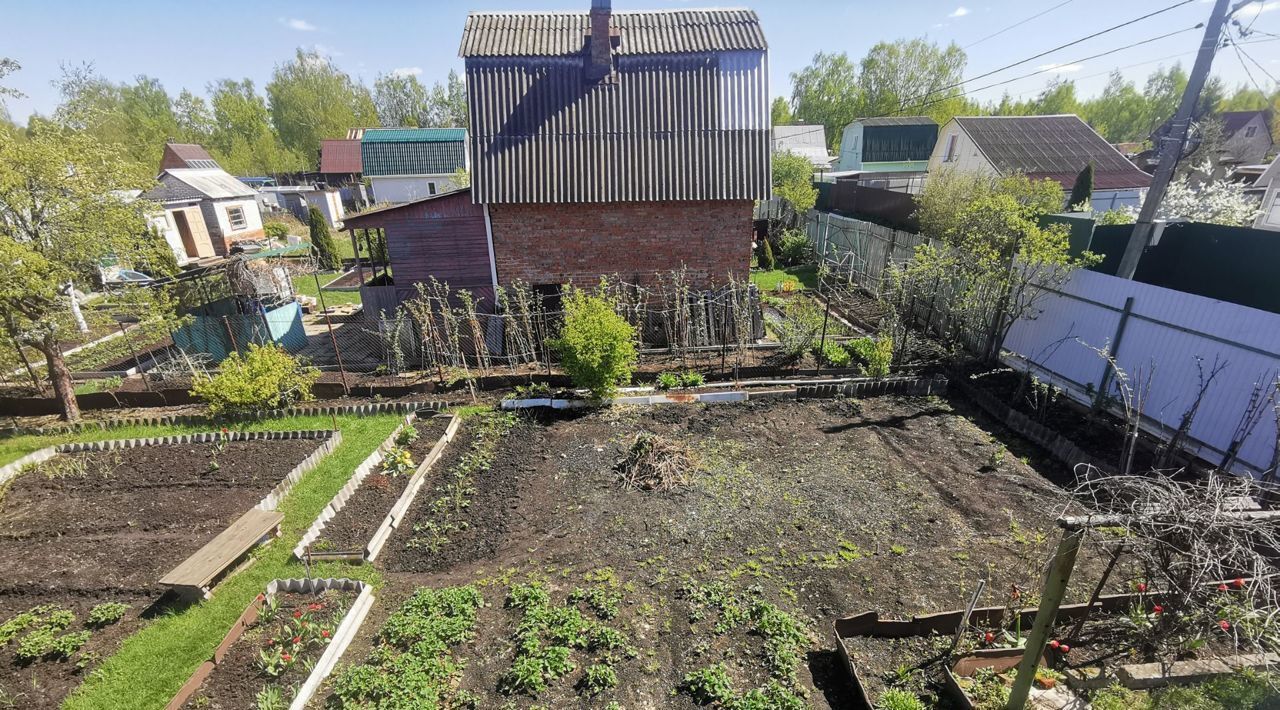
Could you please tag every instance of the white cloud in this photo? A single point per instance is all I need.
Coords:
(406, 71)
(1254, 9)
(1061, 68)
(298, 24)
(959, 12)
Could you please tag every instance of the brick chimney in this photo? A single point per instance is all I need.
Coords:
(600, 42)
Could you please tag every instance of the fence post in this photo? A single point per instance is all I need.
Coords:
(328, 321)
(1101, 395)
(227, 324)
(888, 260)
(822, 342)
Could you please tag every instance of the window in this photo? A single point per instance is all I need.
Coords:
(949, 154)
(235, 215)
(431, 188)
(1251, 131)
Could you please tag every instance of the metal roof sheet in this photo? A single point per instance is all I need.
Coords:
(339, 156)
(559, 34)
(1051, 146)
(378, 158)
(413, 135)
(897, 121)
(216, 184)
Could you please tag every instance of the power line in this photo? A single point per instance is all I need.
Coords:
(1241, 54)
(1051, 51)
(1018, 24)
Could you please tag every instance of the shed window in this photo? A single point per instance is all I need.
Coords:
(1251, 131)
(431, 188)
(949, 154)
(235, 216)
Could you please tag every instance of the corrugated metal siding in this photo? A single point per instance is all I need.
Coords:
(444, 238)
(891, 144)
(683, 127)
(561, 34)
(1168, 332)
(416, 158)
(413, 135)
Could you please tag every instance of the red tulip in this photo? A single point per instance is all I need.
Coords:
(1157, 609)
(1222, 587)
(1142, 586)
(271, 642)
(989, 637)
(297, 614)
(286, 657)
(1064, 649)
(325, 633)
(297, 639)
(1238, 583)
(1224, 625)
(1054, 644)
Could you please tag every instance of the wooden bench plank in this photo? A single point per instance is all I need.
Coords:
(208, 562)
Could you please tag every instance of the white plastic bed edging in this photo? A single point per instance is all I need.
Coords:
(398, 511)
(339, 500)
(671, 398)
(342, 637)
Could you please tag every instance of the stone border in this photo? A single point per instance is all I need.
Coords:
(342, 637)
(204, 419)
(1059, 447)
(401, 508)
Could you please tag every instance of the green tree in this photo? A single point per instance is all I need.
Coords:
(912, 77)
(322, 241)
(400, 100)
(194, 118)
(447, 104)
(7, 67)
(243, 139)
(1059, 97)
(793, 180)
(596, 345)
(780, 112)
(940, 206)
(62, 211)
(827, 92)
(311, 99)
(1119, 113)
(1082, 188)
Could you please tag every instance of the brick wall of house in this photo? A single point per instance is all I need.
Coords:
(580, 242)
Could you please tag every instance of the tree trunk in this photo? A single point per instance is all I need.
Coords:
(60, 376)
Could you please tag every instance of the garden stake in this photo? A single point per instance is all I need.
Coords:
(342, 371)
(964, 620)
(822, 343)
(1097, 591)
(1055, 588)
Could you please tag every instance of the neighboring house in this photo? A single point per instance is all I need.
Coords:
(1269, 183)
(340, 162)
(406, 164)
(900, 144)
(1053, 147)
(299, 199)
(804, 140)
(205, 209)
(1246, 136)
(575, 175)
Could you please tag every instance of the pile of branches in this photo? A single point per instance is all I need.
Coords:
(1202, 549)
(656, 463)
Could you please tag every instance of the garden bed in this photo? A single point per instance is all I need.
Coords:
(349, 523)
(91, 527)
(281, 648)
(787, 513)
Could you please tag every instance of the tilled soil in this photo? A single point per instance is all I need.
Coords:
(353, 526)
(828, 508)
(237, 680)
(121, 519)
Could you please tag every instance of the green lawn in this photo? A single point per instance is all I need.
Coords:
(306, 285)
(153, 664)
(804, 276)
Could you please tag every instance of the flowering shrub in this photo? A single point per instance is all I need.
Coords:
(268, 377)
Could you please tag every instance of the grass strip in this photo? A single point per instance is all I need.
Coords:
(152, 665)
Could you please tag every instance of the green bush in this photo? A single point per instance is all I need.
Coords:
(326, 250)
(875, 354)
(795, 248)
(678, 380)
(275, 230)
(267, 378)
(767, 262)
(800, 328)
(895, 699)
(596, 346)
(668, 381)
(833, 355)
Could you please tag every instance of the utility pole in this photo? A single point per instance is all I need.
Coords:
(1171, 145)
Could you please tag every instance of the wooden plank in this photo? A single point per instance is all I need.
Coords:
(211, 560)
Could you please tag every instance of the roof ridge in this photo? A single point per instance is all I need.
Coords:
(657, 11)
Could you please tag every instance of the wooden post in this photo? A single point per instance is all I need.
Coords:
(136, 360)
(227, 324)
(822, 342)
(355, 250)
(328, 320)
(1055, 588)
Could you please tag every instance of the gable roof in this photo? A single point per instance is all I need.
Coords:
(560, 34)
(1233, 121)
(1055, 147)
(358, 221)
(187, 155)
(897, 121)
(194, 183)
(339, 156)
(804, 140)
(412, 151)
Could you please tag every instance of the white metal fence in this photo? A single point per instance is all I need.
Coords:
(1157, 333)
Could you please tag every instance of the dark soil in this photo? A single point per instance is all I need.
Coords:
(236, 681)
(119, 520)
(353, 526)
(44, 683)
(826, 508)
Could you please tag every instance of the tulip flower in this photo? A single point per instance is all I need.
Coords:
(1142, 586)
(1222, 587)
(1054, 644)
(1238, 583)
(1064, 649)
(1224, 625)
(989, 637)
(1158, 609)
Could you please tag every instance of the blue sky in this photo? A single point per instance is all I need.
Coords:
(188, 44)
